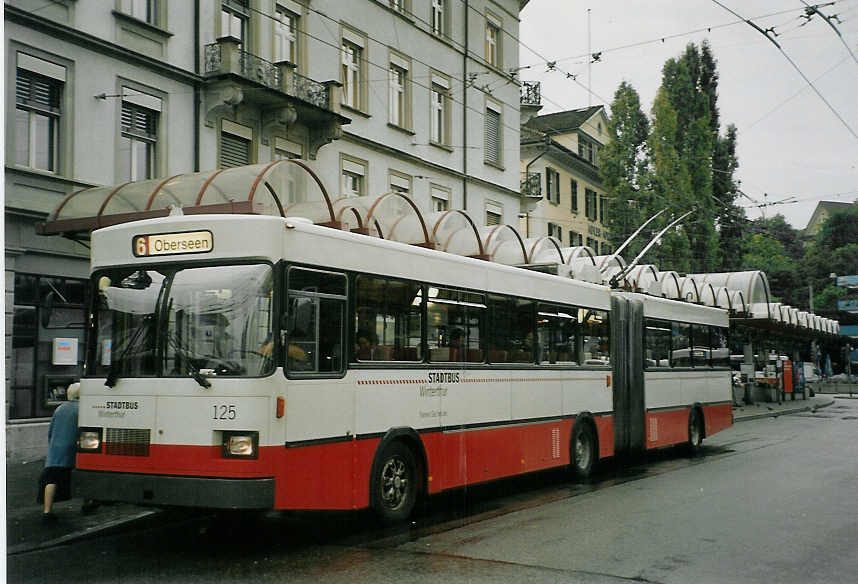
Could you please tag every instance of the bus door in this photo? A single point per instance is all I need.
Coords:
(628, 381)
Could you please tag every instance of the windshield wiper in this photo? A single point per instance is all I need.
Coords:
(113, 374)
(185, 358)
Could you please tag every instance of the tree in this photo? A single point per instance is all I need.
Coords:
(765, 253)
(729, 217)
(621, 164)
(835, 250)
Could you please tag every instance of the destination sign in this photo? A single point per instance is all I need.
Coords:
(173, 243)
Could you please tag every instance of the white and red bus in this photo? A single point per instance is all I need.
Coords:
(257, 362)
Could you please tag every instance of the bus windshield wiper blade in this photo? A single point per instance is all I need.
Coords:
(113, 374)
(193, 371)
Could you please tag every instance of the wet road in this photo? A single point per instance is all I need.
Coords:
(771, 500)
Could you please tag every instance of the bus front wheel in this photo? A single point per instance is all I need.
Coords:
(394, 483)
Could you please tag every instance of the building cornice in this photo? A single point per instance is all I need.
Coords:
(402, 155)
(88, 41)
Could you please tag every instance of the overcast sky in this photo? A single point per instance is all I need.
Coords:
(789, 144)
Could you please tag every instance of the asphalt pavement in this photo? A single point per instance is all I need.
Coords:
(25, 530)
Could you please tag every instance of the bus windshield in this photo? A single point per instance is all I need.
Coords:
(199, 321)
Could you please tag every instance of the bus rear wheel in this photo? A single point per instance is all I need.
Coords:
(583, 450)
(394, 483)
(695, 432)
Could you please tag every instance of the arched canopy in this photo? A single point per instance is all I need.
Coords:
(803, 319)
(737, 302)
(667, 286)
(793, 316)
(454, 231)
(582, 265)
(503, 244)
(642, 277)
(543, 250)
(775, 311)
(280, 188)
(753, 284)
(688, 289)
(707, 294)
(786, 314)
(723, 298)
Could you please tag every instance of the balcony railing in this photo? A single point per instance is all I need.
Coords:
(309, 90)
(249, 66)
(531, 93)
(531, 185)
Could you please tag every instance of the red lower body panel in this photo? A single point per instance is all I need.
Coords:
(336, 475)
(669, 427)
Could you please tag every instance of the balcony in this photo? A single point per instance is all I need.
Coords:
(531, 185)
(237, 79)
(531, 94)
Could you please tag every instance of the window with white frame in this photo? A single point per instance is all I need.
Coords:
(397, 87)
(437, 21)
(352, 73)
(574, 239)
(138, 139)
(399, 5)
(494, 214)
(493, 134)
(38, 91)
(440, 198)
(555, 231)
(236, 141)
(440, 106)
(296, 178)
(145, 10)
(400, 183)
(493, 40)
(353, 179)
(234, 20)
(552, 185)
(285, 35)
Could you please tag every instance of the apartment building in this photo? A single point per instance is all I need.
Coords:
(559, 168)
(418, 97)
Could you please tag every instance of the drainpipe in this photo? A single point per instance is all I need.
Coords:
(197, 86)
(465, 112)
(526, 171)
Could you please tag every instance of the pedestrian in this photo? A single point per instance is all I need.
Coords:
(55, 480)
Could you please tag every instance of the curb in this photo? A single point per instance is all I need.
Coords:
(775, 414)
(79, 535)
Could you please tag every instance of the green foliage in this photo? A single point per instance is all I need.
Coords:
(766, 253)
(835, 251)
(827, 299)
(840, 229)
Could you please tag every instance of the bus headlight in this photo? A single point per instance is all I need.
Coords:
(240, 444)
(89, 440)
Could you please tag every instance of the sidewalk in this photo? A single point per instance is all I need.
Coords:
(26, 532)
(773, 409)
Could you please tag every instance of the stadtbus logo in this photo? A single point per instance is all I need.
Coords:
(172, 243)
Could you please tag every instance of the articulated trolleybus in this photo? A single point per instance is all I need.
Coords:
(257, 362)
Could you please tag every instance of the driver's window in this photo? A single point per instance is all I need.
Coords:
(315, 309)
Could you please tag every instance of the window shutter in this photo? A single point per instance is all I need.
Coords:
(492, 218)
(492, 136)
(138, 120)
(234, 151)
(36, 90)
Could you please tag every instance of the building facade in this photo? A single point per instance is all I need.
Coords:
(559, 168)
(413, 96)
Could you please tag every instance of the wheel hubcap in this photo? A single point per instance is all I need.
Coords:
(394, 482)
(582, 451)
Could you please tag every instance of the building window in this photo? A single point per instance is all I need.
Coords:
(440, 104)
(573, 186)
(552, 185)
(400, 183)
(440, 198)
(37, 113)
(493, 56)
(145, 10)
(137, 142)
(588, 151)
(493, 136)
(494, 214)
(353, 180)
(234, 20)
(590, 208)
(285, 36)
(235, 144)
(574, 239)
(555, 231)
(438, 24)
(603, 208)
(592, 244)
(397, 77)
(352, 74)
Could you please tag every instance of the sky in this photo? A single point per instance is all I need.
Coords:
(790, 143)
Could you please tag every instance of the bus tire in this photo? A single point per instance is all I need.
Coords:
(583, 450)
(695, 431)
(394, 483)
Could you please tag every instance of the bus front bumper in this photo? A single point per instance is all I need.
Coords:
(170, 490)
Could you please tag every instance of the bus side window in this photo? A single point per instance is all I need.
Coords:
(315, 311)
